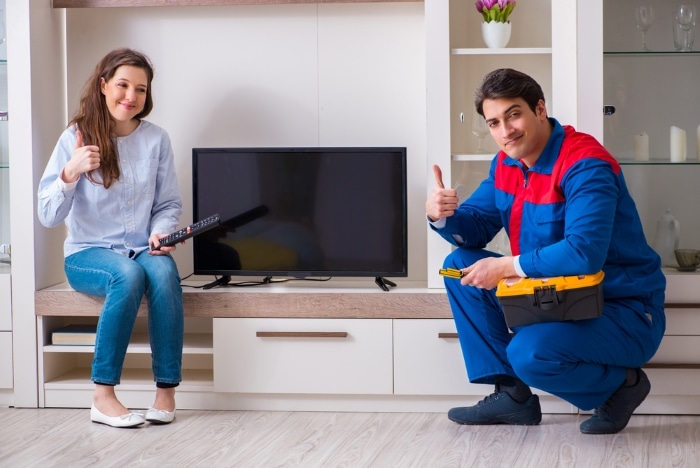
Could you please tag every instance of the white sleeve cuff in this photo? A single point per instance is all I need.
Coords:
(516, 266)
(439, 224)
(65, 186)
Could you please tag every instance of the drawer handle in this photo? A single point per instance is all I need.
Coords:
(300, 334)
(447, 335)
(453, 335)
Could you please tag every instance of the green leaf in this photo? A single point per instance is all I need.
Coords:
(496, 14)
(493, 14)
(506, 13)
(485, 14)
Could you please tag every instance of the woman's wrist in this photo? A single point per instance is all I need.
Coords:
(69, 178)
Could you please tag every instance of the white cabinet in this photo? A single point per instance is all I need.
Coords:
(428, 359)
(331, 356)
(6, 374)
(64, 370)
(4, 147)
(681, 343)
(5, 301)
(5, 361)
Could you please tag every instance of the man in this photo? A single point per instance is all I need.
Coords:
(563, 201)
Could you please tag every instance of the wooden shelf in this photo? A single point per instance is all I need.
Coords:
(194, 343)
(166, 3)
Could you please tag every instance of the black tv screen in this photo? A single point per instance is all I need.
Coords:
(301, 212)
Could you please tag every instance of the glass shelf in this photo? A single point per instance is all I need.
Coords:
(652, 53)
(473, 157)
(652, 162)
(503, 51)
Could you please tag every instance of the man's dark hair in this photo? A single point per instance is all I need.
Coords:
(508, 83)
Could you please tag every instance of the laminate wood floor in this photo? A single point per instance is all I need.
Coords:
(67, 438)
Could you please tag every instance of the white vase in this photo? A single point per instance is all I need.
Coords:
(496, 34)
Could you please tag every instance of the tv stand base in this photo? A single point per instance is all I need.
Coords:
(384, 283)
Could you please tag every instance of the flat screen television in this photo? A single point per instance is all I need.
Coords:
(301, 212)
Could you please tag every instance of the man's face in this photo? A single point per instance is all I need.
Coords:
(521, 133)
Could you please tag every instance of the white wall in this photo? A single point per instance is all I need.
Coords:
(274, 75)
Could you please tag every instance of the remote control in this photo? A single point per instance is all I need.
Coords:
(189, 231)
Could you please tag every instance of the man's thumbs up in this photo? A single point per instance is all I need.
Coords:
(438, 176)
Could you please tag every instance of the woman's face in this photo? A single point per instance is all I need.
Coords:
(125, 93)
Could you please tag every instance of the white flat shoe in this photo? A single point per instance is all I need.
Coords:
(159, 416)
(125, 420)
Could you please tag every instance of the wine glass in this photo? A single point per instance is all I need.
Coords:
(479, 130)
(2, 25)
(686, 16)
(684, 35)
(644, 17)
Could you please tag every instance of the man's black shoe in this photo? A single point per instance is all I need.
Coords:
(613, 415)
(499, 408)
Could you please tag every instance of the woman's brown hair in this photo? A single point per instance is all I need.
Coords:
(93, 118)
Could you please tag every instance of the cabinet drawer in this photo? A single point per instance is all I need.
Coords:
(678, 350)
(5, 303)
(428, 363)
(682, 321)
(333, 356)
(5, 360)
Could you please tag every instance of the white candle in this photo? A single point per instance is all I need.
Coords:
(641, 146)
(678, 144)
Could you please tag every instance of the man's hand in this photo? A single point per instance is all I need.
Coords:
(487, 272)
(442, 202)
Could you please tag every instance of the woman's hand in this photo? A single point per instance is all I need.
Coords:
(84, 159)
(156, 248)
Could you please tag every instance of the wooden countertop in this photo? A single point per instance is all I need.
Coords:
(166, 3)
(271, 300)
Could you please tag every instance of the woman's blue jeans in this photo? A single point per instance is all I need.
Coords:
(122, 282)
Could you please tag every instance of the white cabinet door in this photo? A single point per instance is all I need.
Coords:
(5, 303)
(428, 360)
(321, 356)
(5, 360)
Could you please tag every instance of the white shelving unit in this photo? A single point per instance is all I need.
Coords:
(457, 61)
(387, 328)
(6, 364)
(572, 69)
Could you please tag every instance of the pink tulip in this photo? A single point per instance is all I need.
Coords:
(495, 10)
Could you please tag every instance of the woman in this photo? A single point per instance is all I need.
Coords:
(112, 179)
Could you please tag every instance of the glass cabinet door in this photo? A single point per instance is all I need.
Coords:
(654, 129)
(4, 156)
